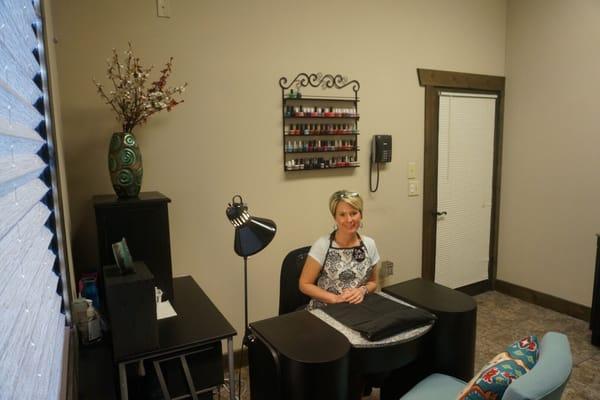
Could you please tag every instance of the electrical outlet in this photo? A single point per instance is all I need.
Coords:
(387, 269)
(163, 8)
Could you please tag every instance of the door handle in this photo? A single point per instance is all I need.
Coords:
(440, 213)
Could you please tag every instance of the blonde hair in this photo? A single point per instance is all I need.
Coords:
(351, 198)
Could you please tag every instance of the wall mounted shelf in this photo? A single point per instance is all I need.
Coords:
(307, 117)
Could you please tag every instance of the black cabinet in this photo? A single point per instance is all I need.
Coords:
(286, 365)
(451, 343)
(595, 317)
(144, 222)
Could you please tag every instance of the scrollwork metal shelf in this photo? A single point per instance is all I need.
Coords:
(321, 98)
(319, 117)
(320, 151)
(336, 115)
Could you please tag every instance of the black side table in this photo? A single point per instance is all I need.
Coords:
(144, 222)
(191, 341)
(451, 342)
(187, 362)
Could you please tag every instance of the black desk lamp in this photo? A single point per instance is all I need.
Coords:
(252, 234)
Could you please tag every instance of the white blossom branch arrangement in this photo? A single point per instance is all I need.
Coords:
(131, 99)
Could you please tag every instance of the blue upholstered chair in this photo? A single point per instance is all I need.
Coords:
(546, 380)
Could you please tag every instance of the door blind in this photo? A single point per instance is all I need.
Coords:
(32, 324)
(465, 172)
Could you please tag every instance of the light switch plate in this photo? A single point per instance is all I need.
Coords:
(412, 170)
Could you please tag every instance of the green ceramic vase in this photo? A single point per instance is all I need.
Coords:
(125, 165)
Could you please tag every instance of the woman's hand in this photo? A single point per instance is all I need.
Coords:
(337, 298)
(354, 295)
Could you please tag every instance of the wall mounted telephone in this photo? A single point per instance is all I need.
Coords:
(382, 148)
(381, 152)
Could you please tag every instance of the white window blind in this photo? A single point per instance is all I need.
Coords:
(32, 324)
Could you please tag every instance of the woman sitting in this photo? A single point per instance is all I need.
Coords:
(340, 267)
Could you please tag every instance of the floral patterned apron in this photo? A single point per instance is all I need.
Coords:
(343, 268)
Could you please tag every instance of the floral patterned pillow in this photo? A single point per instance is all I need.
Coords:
(493, 379)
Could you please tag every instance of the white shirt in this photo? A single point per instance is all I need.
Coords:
(319, 249)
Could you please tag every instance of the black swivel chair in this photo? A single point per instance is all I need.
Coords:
(290, 296)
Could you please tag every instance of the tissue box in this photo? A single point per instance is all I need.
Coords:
(131, 305)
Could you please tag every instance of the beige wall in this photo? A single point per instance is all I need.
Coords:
(226, 137)
(550, 192)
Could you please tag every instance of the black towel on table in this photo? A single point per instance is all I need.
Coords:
(377, 317)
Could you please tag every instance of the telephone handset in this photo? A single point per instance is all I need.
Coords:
(381, 152)
(382, 149)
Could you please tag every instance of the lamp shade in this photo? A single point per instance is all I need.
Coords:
(252, 234)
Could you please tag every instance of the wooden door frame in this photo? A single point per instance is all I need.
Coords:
(434, 82)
